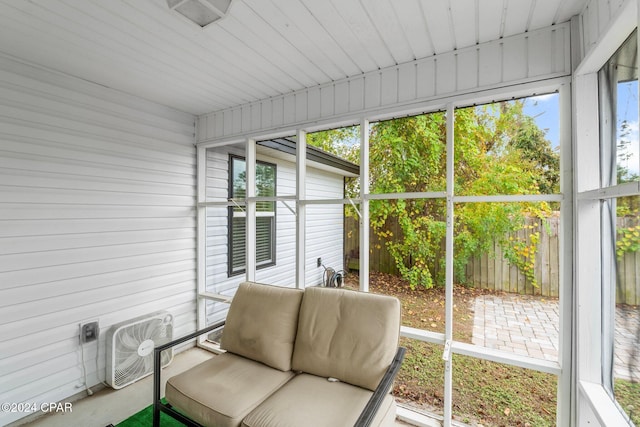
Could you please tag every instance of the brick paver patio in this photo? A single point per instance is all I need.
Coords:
(627, 343)
(529, 325)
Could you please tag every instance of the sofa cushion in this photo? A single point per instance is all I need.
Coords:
(262, 322)
(224, 389)
(312, 401)
(348, 335)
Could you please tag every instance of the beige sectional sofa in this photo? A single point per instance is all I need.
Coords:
(312, 358)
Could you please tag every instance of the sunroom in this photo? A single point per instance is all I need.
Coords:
(479, 160)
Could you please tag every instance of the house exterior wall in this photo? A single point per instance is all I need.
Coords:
(533, 56)
(325, 228)
(97, 222)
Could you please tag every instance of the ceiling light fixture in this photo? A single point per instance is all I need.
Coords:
(201, 12)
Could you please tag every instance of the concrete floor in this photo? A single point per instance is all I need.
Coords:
(108, 406)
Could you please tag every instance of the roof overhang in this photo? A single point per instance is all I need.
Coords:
(286, 147)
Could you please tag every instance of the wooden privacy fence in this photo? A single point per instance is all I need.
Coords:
(493, 271)
(379, 257)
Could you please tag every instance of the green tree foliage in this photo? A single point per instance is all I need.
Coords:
(409, 155)
(498, 150)
(343, 142)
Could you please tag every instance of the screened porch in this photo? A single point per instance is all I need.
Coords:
(477, 160)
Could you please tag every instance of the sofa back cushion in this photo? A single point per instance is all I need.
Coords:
(348, 335)
(261, 324)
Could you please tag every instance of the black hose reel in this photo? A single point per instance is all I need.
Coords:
(332, 278)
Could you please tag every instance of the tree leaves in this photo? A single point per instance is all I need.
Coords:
(498, 150)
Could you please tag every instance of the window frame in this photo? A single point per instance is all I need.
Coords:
(564, 197)
(594, 312)
(232, 214)
(563, 85)
(613, 190)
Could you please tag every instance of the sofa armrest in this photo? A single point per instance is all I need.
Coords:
(157, 370)
(372, 406)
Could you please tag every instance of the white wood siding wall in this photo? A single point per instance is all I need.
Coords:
(596, 18)
(97, 222)
(325, 225)
(325, 228)
(536, 55)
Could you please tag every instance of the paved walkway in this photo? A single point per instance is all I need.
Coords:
(528, 326)
(627, 343)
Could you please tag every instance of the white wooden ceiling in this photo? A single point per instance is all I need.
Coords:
(263, 48)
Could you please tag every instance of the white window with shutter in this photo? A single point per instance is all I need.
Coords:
(265, 215)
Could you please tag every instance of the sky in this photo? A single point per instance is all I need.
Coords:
(545, 110)
(627, 109)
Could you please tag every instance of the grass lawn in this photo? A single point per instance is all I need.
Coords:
(628, 396)
(484, 393)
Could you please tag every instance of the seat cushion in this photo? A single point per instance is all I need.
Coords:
(311, 401)
(348, 335)
(262, 323)
(223, 390)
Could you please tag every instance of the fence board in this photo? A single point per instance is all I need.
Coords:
(543, 260)
(627, 285)
(554, 258)
(513, 280)
(491, 276)
(637, 280)
(485, 269)
(506, 272)
(621, 271)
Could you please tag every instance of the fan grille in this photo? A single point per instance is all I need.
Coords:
(132, 348)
